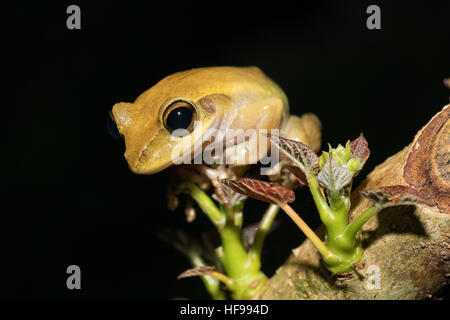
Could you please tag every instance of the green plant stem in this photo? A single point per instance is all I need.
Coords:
(339, 206)
(343, 248)
(234, 254)
(229, 214)
(325, 213)
(264, 226)
(238, 219)
(248, 278)
(355, 226)
(205, 203)
(221, 277)
(243, 278)
(212, 285)
(309, 233)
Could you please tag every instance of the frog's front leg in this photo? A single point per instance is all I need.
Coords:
(214, 174)
(202, 175)
(244, 141)
(183, 173)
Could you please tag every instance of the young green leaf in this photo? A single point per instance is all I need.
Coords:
(270, 192)
(394, 195)
(300, 154)
(323, 159)
(341, 154)
(333, 176)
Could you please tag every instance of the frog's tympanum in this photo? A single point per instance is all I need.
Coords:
(201, 99)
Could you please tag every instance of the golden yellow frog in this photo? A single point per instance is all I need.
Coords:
(201, 99)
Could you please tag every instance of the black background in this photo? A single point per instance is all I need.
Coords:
(70, 197)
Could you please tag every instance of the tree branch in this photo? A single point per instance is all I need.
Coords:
(408, 245)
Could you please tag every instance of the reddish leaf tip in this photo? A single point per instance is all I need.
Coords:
(265, 191)
(360, 148)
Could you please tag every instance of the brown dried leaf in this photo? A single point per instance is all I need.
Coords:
(394, 195)
(197, 271)
(265, 191)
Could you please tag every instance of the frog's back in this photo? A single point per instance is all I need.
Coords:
(242, 84)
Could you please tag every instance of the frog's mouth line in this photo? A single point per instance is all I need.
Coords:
(144, 152)
(142, 165)
(203, 149)
(139, 164)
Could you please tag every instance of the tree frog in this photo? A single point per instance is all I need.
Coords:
(205, 107)
(200, 99)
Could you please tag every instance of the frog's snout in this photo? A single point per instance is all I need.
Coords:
(122, 115)
(147, 147)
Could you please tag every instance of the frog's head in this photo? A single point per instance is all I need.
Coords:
(183, 101)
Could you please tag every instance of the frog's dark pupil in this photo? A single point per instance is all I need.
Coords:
(112, 128)
(179, 118)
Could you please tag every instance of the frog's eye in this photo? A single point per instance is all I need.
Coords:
(112, 127)
(179, 115)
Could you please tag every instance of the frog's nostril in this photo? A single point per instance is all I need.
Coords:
(112, 127)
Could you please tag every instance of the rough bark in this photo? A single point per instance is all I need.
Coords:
(410, 245)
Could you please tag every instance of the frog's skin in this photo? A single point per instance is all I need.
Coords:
(224, 97)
